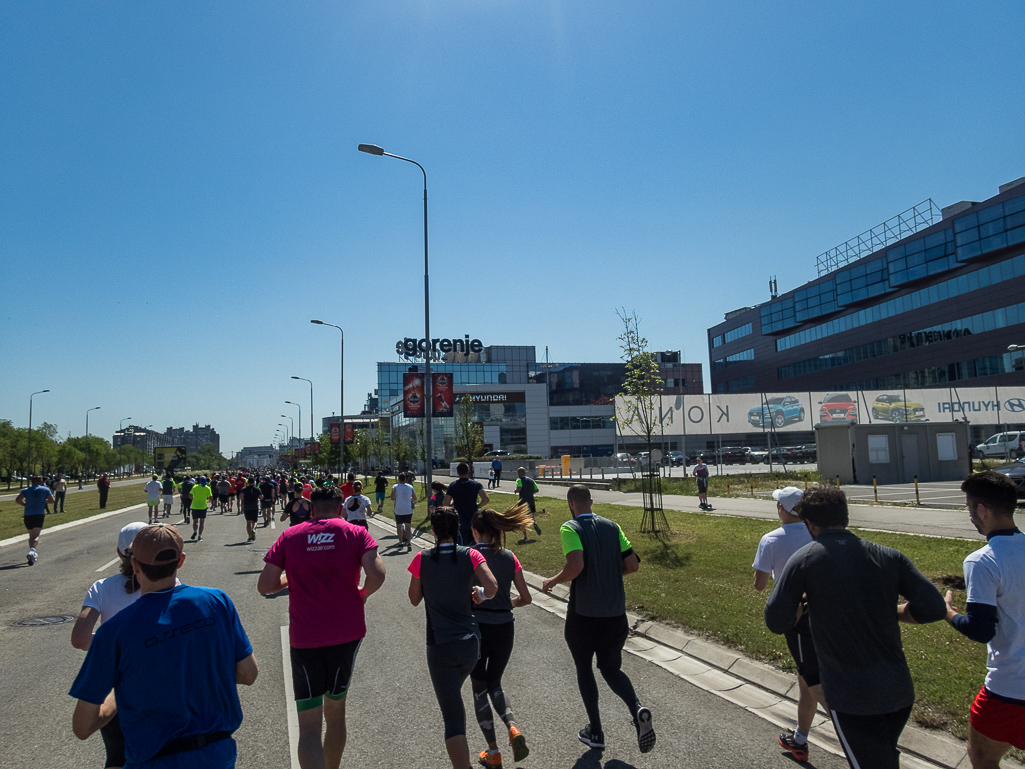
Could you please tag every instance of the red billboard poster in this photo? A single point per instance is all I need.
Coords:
(315, 447)
(350, 433)
(413, 401)
(442, 393)
(335, 431)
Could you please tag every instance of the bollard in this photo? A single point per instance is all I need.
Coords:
(875, 488)
(917, 500)
(838, 481)
(751, 482)
(603, 473)
(592, 473)
(806, 483)
(727, 485)
(777, 481)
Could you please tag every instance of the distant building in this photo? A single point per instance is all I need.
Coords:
(257, 456)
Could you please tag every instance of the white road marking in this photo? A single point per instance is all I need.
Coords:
(293, 714)
(108, 564)
(22, 538)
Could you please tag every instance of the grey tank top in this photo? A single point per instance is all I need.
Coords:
(598, 590)
(446, 585)
(497, 610)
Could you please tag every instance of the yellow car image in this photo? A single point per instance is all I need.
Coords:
(896, 409)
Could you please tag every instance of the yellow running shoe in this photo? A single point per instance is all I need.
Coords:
(519, 744)
(489, 759)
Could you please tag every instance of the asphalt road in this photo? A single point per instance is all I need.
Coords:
(393, 718)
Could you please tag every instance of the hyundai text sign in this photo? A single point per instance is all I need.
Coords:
(417, 348)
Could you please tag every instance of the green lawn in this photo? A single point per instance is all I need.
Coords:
(701, 580)
(81, 504)
(726, 485)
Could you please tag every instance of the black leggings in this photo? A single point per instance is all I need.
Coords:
(496, 645)
(601, 639)
(871, 740)
(449, 665)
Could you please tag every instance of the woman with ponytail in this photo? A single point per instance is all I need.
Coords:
(443, 580)
(495, 619)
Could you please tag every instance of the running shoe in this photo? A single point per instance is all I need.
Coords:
(798, 750)
(537, 528)
(591, 739)
(194, 534)
(645, 731)
(519, 744)
(252, 537)
(32, 557)
(489, 759)
(200, 538)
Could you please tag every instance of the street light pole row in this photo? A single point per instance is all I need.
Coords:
(341, 396)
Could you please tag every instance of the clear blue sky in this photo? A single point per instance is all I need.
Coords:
(180, 190)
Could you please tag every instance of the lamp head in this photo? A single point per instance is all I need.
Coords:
(1013, 347)
(318, 322)
(370, 149)
(295, 377)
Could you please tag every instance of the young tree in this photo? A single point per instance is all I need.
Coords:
(361, 446)
(378, 445)
(469, 435)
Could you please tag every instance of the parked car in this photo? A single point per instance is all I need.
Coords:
(839, 407)
(758, 455)
(1002, 445)
(735, 455)
(623, 459)
(497, 453)
(643, 459)
(1016, 472)
(896, 409)
(810, 451)
(779, 411)
(780, 455)
(674, 459)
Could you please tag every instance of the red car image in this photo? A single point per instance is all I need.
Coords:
(838, 408)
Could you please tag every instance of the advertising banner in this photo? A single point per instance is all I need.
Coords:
(335, 431)
(168, 457)
(442, 393)
(350, 432)
(413, 398)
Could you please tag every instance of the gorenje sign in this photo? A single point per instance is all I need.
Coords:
(416, 348)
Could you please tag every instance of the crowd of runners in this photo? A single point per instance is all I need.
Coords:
(837, 599)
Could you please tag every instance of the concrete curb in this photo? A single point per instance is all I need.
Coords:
(23, 538)
(754, 686)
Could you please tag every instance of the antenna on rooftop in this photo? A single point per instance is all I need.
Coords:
(773, 288)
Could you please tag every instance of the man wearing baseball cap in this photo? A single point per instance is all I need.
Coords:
(774, 550)
(173, 659)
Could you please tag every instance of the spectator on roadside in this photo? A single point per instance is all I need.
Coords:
(139, 655)
(995, 615)
(496, 465)
(850, 587)
(60, 491)
(103, 484)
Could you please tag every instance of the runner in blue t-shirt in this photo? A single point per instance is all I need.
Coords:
(34, 499)
(173, 660)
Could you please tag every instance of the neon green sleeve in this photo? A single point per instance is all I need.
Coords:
(624, 543)
(570, 539)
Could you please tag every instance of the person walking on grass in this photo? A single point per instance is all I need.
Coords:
(598, 554)
(319, 561)
(851, 589)
(995, 615)
(34, 499)
(495, 622)
(526, 488)
(443, 580)
(404, 497)
(700, 474)
(774, 550)
(380, 487)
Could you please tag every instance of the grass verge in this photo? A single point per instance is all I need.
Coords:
(701, 580)
(725, 485)
(76, 506)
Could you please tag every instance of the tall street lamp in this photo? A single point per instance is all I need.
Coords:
(313, 432)
(373, 149)
(121, 444)
(290, 403)
(291, 433)
(33, 395)
(341, 395)
(88, 450)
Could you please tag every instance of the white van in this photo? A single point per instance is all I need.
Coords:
(1003, 445)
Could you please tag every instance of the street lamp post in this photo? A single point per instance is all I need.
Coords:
(88, 449)
(33, 395)
(290, 403)
(341, 396)
(313, 432)
(373, 149)
(120, 445)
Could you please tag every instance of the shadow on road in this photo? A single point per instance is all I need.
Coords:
(13, 566)
(592, 760)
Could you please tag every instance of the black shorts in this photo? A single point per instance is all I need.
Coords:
(362, 523)
(702, 485)
(266, 504)
(322, 670)
(803, 651)
(198, 513)
(224, 498)
(401, 519)
(596, 638)
(34, 521)
(251, 515)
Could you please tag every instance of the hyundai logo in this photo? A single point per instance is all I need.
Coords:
(1015, 405)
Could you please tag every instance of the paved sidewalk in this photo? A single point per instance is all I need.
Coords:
(928, 521)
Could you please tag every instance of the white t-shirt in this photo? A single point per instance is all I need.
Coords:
(995, 575)
(776, 547)
(403, 498)
(360, 513)
(108, 596)
(154, 491)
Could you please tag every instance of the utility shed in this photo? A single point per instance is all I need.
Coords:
(894, 453)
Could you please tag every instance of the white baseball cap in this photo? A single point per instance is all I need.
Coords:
(788, 496)
(127, 535)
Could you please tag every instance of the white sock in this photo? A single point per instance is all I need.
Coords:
(800, 737)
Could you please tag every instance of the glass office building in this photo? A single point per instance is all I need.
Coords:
(937, 307)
